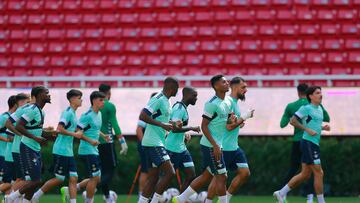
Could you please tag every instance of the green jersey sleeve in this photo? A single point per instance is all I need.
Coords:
(302, 112)
(153, 105)
(285, 119)
(113, 120)
(83, 122)
(177, 113)
(209, 110)
(65, 119)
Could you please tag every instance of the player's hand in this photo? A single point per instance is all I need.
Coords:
(247, 114)
(217, 153)
(311, 132)
(94, 143)
(124, 146)
(167, 126)
(40, 140)
(49, 129)
(242, 125)
(196, 129)
(78, 134)
(187, 137)
(232, 118)
(326, 128)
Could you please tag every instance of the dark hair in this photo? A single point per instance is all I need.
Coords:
(214, 79)
(73, 93)
(301, 88)
(21, 96)
(35, 91)
(310, 91)
(236, 80)
(11, 101)
(171, 81)
(95, 95)
(187, 90)
(105, 88)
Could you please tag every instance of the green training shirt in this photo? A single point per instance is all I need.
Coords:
(290, 110)
(175, 142)
(109, 121)
(159, 109)
(216, 111)
(90, 123)
(230, 140)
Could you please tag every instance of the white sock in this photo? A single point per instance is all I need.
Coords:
(222, 199)
(310, 198)
(285, 190)
(72, 200)
(228, 195)
(78, 187)
(156, 197)
(14, 195)
(38, 194)
(143, 199)
(89, 200)
(186, 194)
(208, 200)
(26, 201)
(321, 198)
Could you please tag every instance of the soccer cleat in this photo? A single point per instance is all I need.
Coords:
(174, 200)
(278, 197)
(65, 195)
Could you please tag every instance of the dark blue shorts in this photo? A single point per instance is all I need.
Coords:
(64, 167)
(235, 159)
(2, 167)
(19, 168)
(155, 156)
(209, 163)
(142, 158)
(31, 160)
(92, 163)
(181, 160)
(9, 173)
(310, 152)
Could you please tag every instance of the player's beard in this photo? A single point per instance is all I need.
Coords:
(241, 97)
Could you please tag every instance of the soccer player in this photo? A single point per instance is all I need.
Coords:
(107, 149)
(213, 125)
(311, 116)
(23, 103)
(295, 157)
(90, 125)
(175, 141)
(234, 156)
(6, 160)
(30, 125)
(64, 162)
(140, 130)
(157, 116)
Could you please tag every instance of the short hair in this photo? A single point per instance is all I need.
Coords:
(95, 95)
(21, 96)
(301, 88)
(310, 91)
(35, 91)
(214, 79)
(12, 101)
(73, 93)
(171, 81)
(236, 80)
(105, 88)
(187, 90)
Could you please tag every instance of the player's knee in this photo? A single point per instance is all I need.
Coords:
(73, 180)
(306, 174)
(245, 173)
(319, 173)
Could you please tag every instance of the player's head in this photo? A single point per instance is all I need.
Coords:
(41, 94)
(97, 99)
(22, 99)
(106, 89)
(314, 95)
(12, 102)
(171, 86)
(239, 87)
(189, 95)
(74, 97)
(219, 83)
(301, 89)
